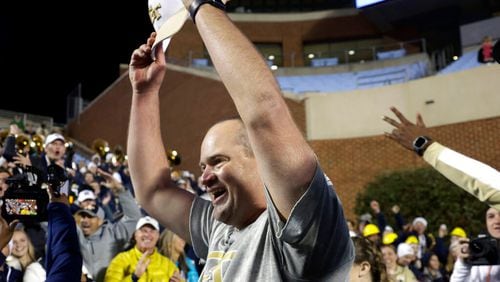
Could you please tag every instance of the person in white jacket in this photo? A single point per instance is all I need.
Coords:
(463, 270)
(480, 180)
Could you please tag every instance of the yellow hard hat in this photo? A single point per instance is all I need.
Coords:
(411, 240)
(370, 229)
(389, 238)
(459, 232)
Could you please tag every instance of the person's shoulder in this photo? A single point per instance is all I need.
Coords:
(164, 260)
(123, 256)
(36, 269)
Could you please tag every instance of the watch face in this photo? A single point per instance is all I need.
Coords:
(420, 142)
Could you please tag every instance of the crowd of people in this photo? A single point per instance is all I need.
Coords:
(268, 211)
(104, 212)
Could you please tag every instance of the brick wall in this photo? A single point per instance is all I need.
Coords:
(352, 163)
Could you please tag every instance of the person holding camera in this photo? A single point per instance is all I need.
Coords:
(478, 260)
(63, 260)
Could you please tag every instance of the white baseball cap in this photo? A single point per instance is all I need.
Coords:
(147, 220)
(421, 220)
(405, 249)
(167, 17)
(86, 195)
(53, 137)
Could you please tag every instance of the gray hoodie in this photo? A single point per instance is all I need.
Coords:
(101, 247)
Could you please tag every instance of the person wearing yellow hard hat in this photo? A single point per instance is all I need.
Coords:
(457, 233)
(372, 233)
(411, 240)
(389, 238)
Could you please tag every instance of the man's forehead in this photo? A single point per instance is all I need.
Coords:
(221, 132)
(227, 125)
(221, 138)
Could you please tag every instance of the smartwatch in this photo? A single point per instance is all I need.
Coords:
(420, 144)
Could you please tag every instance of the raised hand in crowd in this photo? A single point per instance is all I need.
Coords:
(22, 160)
(406, 132)
(111, 182)
(477, 178)
(395, 209)
(442, 231)
(375, 206)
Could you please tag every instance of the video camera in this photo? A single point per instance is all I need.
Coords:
(484, 251)
(26, 199)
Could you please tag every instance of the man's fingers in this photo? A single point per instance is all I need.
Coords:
(389, 135)
(144, 258)
(391, 121)
(151, 39)
(400, 116)
(420, 120)
(159, 54)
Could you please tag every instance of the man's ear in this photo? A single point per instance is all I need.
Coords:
(364, 269)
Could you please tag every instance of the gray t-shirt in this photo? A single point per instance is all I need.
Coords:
(313, 245)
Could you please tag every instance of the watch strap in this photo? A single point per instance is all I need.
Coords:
(196, 4)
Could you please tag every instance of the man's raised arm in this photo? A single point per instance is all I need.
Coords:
(149, 168)
(285, 160)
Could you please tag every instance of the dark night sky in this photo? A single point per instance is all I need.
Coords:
(47, 48)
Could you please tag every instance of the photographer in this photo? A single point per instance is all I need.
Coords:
(63, 260)
(464, 269)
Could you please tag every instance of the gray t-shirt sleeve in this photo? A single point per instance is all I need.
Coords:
(200, 225)
(315, 239)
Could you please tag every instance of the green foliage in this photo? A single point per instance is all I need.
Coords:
(424, 192)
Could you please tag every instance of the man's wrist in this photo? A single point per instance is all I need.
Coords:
(135, 278)
(421, 143)
(196, 4)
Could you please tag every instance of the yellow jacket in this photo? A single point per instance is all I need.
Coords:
(121, 268)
